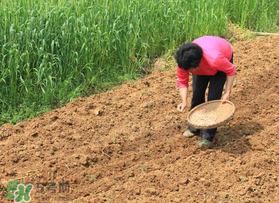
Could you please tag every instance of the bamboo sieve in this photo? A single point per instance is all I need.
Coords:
(211, 114)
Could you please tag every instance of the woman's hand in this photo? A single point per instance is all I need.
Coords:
(225, 97)
(181, 107)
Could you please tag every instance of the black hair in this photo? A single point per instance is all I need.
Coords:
(189, 56)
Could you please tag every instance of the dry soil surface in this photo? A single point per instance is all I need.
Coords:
(126, 145)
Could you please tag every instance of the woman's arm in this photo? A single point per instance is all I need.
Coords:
(228, 88)
(183, 93)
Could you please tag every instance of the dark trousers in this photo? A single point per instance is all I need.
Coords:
(216, 85)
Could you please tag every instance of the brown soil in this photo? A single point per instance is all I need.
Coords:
(126, 145)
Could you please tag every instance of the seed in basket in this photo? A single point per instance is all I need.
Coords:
(204, 118)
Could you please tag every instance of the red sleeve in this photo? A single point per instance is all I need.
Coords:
(182, 78)
(223, 64)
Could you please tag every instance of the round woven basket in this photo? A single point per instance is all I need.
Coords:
(211, 114)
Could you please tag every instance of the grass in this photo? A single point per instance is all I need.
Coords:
(54, 51)
(92, 177)
(259, 15)
(143, 168)
(242, 179)
(276, 143)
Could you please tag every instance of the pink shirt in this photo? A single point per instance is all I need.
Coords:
(217, 53)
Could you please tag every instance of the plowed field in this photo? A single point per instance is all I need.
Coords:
(126, 145)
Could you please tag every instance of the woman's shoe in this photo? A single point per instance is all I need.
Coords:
(203, 143)
(188, 134)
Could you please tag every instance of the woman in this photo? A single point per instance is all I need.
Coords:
(210, 60)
